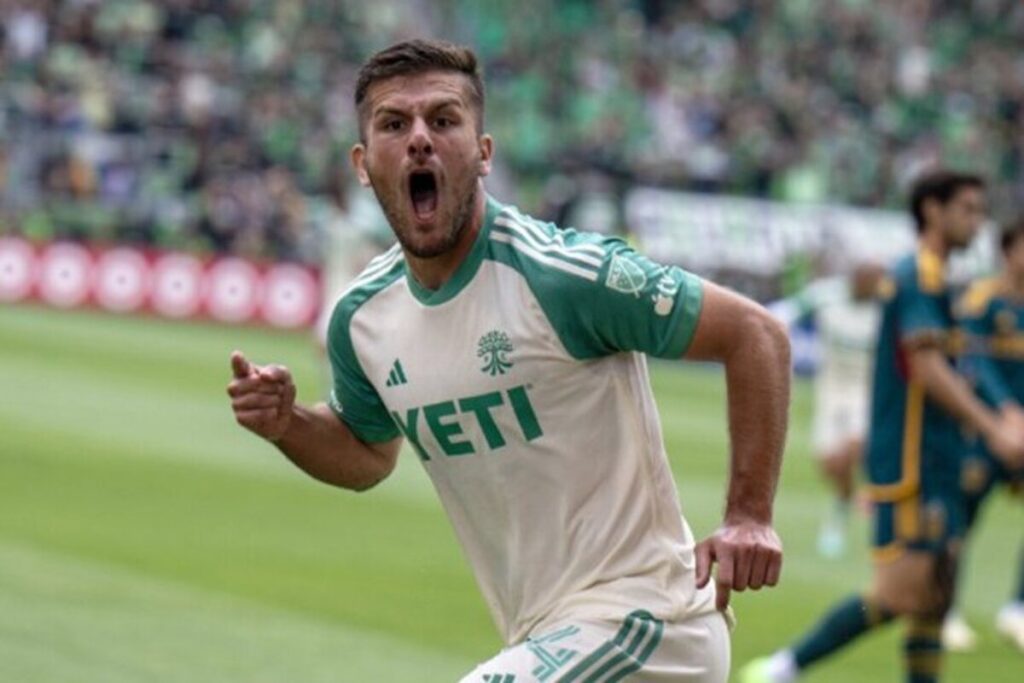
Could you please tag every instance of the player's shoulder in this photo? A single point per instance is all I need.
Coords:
(931, 271)
(979, 297)
(543, 251)
(378, 274)
(920, 272)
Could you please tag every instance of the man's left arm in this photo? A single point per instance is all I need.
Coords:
(754, 349)
(635, 304)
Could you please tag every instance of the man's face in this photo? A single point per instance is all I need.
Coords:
(962, 216)
(423, 156)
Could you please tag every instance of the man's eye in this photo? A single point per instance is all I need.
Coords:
(394, 124)
(443, 122)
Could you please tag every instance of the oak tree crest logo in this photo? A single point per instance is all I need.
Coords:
(494, 348)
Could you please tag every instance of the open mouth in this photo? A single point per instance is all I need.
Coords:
(423, 192)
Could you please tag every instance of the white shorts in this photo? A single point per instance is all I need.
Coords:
(840, 414)
(641, 649)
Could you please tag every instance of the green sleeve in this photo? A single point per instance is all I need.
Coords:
(622, 301)
(353, 398)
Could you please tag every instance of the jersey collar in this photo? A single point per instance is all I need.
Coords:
(466, 270)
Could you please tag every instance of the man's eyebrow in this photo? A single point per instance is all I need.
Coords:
(447, 102)
(388, 111)
(434, 106)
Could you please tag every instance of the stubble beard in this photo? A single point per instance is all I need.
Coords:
(404, 232)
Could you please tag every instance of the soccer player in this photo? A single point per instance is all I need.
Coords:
(992, 311)
(510, 355)
(846, 316)
(914, 448)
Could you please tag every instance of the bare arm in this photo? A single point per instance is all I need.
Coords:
(755, 351)
(313, 438)
(323, 447)
(944, 386)
(754, 348)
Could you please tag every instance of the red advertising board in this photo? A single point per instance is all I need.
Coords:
(168, 284)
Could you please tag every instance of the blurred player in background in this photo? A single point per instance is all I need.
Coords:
(509, 354)
(914, 448)
(992, 313)
(845, 311)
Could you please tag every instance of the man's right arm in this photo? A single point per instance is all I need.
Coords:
(313, 438)
(981, 363)
(928, 365)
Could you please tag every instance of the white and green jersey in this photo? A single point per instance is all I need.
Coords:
(522, 386)
(848, 330)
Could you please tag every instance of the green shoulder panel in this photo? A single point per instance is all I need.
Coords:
(353, 398)
(600, 295)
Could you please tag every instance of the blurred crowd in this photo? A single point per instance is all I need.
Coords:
(224, 125)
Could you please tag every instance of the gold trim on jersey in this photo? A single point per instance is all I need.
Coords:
(931, 271)
(926, 338)
(956, 342)
(913, 423)
(978, 296)
(888, 553)
(908, 518)
(1008, 345)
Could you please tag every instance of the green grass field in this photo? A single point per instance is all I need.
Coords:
(145, 537)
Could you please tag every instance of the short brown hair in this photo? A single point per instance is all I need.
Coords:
(942, 186)
(420, 56)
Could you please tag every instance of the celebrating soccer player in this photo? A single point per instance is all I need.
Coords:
(509, 353)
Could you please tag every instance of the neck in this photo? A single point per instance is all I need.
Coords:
(433, 272)
(933, 241)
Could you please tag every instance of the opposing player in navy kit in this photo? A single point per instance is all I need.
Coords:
(915, 444)
(992, 314)
(510, 355)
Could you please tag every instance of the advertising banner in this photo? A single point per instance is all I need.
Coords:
(167, 284)
(712, 233)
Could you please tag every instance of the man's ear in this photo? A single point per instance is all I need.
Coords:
(486, 144)
(358, 158)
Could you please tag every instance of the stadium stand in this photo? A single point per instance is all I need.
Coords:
(224, 126)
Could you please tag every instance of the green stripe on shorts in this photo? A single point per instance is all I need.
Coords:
(633, 645)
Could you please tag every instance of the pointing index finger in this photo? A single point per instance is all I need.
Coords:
(239, 365)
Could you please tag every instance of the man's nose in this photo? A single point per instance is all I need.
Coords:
(420, 145)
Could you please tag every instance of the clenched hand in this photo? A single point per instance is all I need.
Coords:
(748, 553)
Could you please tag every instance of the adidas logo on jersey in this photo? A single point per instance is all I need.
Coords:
(397, 375)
